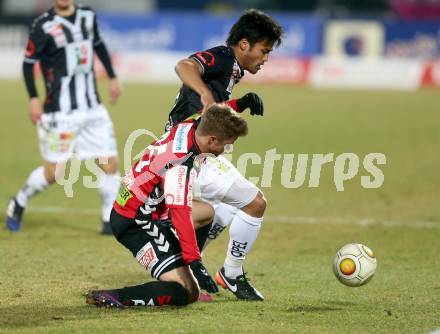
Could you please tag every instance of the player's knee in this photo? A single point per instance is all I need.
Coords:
(50, 172)
(191, 288)
(203, 214)
(257, 207)
(193, 293)
(109, 165)
(185, 279)
(182, 296)
(208, 216)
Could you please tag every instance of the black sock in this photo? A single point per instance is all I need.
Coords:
(153, 294)
(202, 235)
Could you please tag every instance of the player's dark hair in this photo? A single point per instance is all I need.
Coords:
(255, 26)
(224, 123)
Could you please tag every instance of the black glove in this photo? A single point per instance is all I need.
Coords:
(201, 274)
(252, 101)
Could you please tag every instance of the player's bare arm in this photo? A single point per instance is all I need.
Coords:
(190, 73)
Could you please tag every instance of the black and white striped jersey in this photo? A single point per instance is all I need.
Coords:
(65, 48)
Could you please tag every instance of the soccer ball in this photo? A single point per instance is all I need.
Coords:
(354, 264)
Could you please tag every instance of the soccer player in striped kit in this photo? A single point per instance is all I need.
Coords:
(64, 40)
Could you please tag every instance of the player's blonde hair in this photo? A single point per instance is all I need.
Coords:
(224, 123)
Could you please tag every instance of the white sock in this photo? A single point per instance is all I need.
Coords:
(243, 233)
(35, 184)
(109, 190)
(224, 213)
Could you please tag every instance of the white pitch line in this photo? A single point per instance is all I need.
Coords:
(279, 219)
(354, 221)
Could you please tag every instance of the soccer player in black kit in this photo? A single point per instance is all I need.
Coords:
(208, 77)
(64, 40)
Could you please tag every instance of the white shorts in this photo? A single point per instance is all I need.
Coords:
(88, 133)
(220, 182)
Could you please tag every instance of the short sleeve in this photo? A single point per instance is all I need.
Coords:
(212, 61)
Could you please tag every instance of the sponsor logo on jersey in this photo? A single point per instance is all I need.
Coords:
(220, 165)
(129, 179)
(175, 184)
(56, 31)
(192, 178)
(180, 143)
(206, 58)
(81, 55)
(123, 196)
(147, 256)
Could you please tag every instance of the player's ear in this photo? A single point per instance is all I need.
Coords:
(244, 44)
(212, 140)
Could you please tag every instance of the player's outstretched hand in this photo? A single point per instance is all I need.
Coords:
(202, 276)
(253, 102)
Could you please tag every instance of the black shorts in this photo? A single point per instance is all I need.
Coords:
(153, 244)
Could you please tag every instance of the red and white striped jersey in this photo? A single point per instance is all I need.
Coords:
(163, 180)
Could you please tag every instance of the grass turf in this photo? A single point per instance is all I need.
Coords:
(58, 255)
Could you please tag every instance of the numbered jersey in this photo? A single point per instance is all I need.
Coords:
(64, 46)
(159, 186)
(220, 72)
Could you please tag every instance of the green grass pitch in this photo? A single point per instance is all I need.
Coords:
(58, 255)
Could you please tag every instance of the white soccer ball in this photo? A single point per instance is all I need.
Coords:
(354, 264)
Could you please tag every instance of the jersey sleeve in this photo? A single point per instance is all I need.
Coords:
(96, 34)
(36, 43)
(178, 199)
(101, 50)
(212, 61)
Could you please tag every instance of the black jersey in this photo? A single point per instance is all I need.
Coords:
(220, 72)
(65, 48)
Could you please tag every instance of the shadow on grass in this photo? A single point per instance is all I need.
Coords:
(35, 315)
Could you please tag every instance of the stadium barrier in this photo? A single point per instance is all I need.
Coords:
(361, 53)
(319, 72)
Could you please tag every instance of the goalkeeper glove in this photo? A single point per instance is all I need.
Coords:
(253, 102)
(202, 276)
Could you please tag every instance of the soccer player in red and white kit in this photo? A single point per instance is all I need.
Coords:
(152, 215)
(209, 76)
(64, 40)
